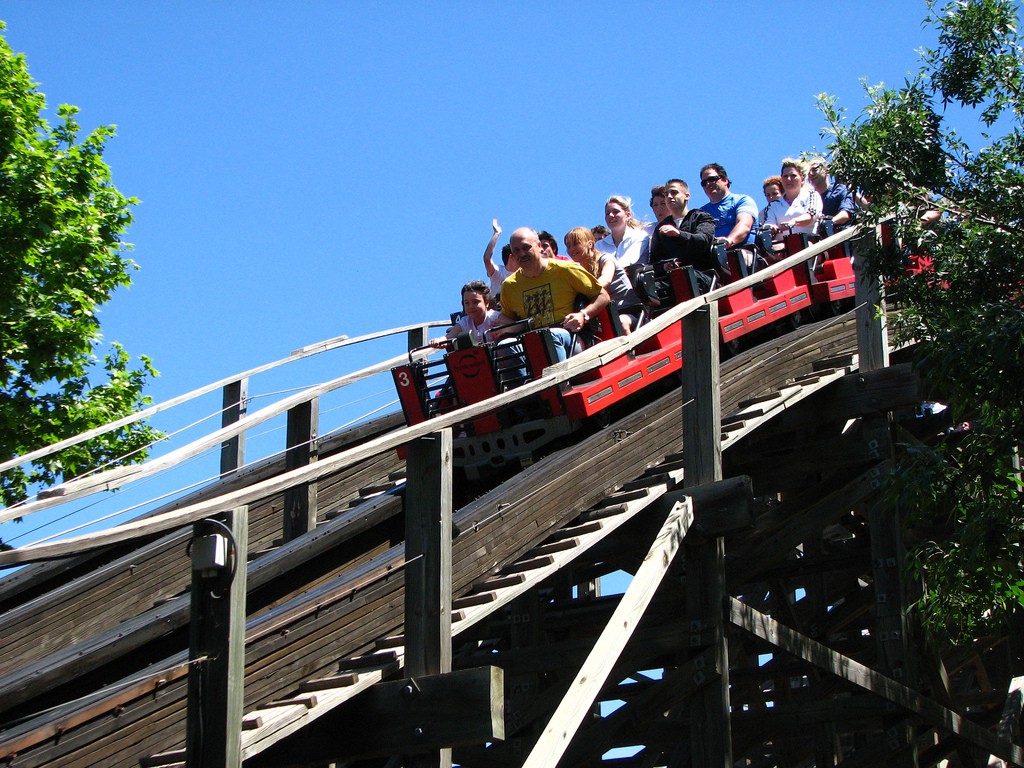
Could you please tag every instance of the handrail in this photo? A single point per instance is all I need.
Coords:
(117, 476)
(555, 374)
(299, 354)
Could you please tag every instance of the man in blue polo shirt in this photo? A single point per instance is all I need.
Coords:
(734, 214)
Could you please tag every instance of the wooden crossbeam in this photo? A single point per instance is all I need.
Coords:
(591, 678)
(411, 715)
(798, 644)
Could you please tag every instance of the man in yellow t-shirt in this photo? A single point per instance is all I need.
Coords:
(545, 289)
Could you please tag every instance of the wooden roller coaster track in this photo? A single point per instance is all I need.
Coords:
(779, 637)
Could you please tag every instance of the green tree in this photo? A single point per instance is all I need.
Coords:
(903, 155)
(61, 256)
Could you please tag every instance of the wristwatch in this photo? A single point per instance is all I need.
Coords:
(586, 317)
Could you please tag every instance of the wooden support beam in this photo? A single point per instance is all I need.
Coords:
(718, 508)
(710, 728)
(1009, 720)
(702, 407)
(217, 641)
(422, 713)
(852, 671)
(216, 648)
(892, 632)
(872, 333)
(232, 450)
(591, 678)
(675, 686)
(419, 336)
(428, 569)
(300, 501)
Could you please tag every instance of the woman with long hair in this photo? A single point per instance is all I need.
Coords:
(579, 242)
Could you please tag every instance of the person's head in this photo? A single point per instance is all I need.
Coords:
(476, 296)
(548, 244)
(508, 259)
(599, 231)
(793, 173)
(772, 187)
(817, 173)
(579, 244)
(677, 194)
(715, 181)
(658, 205)
(527, 251)
(618, 214)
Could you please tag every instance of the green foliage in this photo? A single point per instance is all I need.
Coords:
(61, 256)
(961, 493)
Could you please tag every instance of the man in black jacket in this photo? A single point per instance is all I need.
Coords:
(685, 236)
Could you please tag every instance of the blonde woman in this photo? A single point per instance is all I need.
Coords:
(800, 206)
(628, 242)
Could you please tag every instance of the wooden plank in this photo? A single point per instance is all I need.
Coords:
(591, 678)
(21, 683)
(852, 671)
(718, 508)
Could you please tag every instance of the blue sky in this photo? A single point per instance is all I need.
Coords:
(320, 168)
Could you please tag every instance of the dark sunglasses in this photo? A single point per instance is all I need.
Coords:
(709, 180)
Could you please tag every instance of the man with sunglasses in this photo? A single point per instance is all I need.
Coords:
(734, 214)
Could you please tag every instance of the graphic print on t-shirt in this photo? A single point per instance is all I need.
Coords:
(540, 305)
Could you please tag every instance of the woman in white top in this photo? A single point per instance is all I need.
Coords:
(628, 241)
(800, 206)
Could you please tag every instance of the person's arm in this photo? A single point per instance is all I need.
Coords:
(450, 334)
(741, 231)
(808, 216)
(489, 264)
(574, 321)
(841, 219)
(606, 270)
(703, 235)
(844, 215)
(497, 332)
